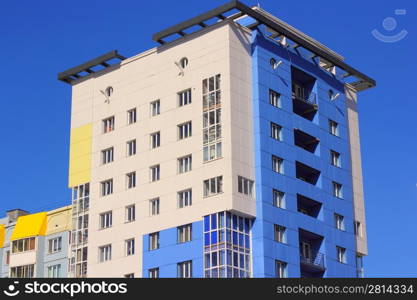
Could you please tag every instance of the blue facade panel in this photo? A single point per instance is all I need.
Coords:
(265, 249)
(170, 252)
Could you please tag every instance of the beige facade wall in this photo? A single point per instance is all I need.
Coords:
(358, 196)
(138, 81)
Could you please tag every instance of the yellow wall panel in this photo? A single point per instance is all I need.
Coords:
(2, 235)
(59, 220)
(80, 155)
(29, 225)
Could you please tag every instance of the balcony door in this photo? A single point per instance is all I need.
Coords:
(305, 250)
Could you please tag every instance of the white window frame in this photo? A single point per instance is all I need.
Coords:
(54, 271)
(276, 131)
(55, 245)
(274, 98)
(341, 254)
(107, 156)
(105, 253)
(245, 186)
(280, 233)
(106, 187)
(339, 221)
(154, 207)
(185, 269)
(184, 97)
(184, 233)
(277, 164)
(155, 139)
(281, 269)
(131, 116)
(213, 186)
(153, 241)
(335, 158)
(337, 190)
(185, 164)
(108, 124)
(130, 247)
(278, 198)
(131, 180)
(130, 213)
(185, 130)
(153, 273)
(106, 220)
(131, 148)
(155, 108)
(185, 198)
(333, 128)
(155, 173)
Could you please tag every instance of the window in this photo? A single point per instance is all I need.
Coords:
(26, 271)
(154, 273)
(212, 131)
(185, 198)
(213, 186)
(104, 253)
(155, 108)
(280, 233)
(337, 190)
(184, 233)
(278, 198)
(131, 116)
(212, 152)
(106, 220)
(108, 124)
(131, 147)
(107, 187)
(55, 245)
(185, 269)
(130, 247)
(280, 269)
(184, 97)
(358, 229)
(154, 241)
(276, 131)
(245, 186)
(7, 262)
(184, 130)
(274, 98)
(277, 164)
(155, 173)
(107, 156)
(54, 271)
(341, 254)
(130, 275)
(339, 221)
(130, 213)
(335, 158)
(184, 164)
(333, 128)
(155, 140)
(131, 180)
(23, 245)
(154, 206)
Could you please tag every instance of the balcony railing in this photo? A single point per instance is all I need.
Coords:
(311, 98)
(316, 260)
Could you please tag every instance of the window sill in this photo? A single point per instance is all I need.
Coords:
(213, 195)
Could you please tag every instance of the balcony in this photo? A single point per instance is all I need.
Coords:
(315, 263)
(306, 173)
(308, 206)
(304, 99)
(306, 141)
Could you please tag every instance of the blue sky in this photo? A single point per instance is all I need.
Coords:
(38, 39)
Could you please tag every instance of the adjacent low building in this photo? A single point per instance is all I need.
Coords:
(35, 245)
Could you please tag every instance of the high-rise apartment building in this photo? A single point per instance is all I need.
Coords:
(229, 150)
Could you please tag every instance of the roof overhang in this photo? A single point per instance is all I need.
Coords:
(235, 10)
(86, 69)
